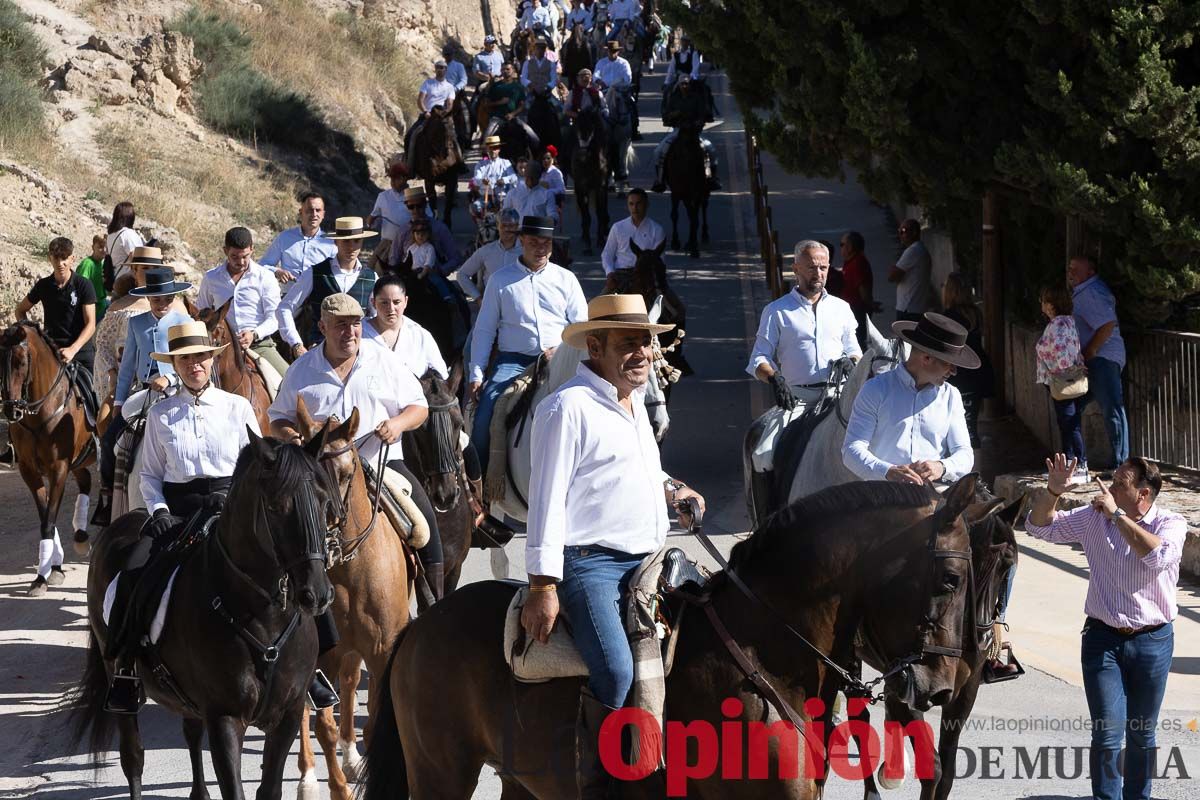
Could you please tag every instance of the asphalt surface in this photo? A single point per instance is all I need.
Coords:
(1037, 720)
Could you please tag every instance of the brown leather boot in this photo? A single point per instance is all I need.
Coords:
(594, 780)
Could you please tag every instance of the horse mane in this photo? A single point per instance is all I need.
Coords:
(9, 338)
(291, 468)
(810, 515)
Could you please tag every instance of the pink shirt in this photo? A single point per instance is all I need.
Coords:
(1058, 349)
(1124, 591)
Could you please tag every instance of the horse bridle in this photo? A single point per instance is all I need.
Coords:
(341, 548)
(448, 454)
(16, 409)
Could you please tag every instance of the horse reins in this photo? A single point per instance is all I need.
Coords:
(340, 548)
(15, 410)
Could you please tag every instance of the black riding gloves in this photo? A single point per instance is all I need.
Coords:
(783, 393)
(159, 524)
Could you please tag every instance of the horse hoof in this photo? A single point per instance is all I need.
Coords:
(57, 577)
(81, 543)
(893, 783)
(37, 588)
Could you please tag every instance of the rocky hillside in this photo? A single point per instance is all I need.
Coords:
(209, 113)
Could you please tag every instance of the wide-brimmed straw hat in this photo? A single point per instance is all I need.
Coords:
(612, 312)
(414, 193)
(350, 228)
(940, 337)
(160, 281)
(614, 45)
(145, 257)
(187, 338)
(492, 141)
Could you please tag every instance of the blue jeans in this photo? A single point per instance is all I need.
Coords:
(1124, 678)
(507, 369)
(594, 581)
(1006, 591)
(1070, 426)
(1104, 386)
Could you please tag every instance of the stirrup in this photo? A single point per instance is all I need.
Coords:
(999, 670)
(126, 694)
(321, 693)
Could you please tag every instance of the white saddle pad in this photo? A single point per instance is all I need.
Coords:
(160, 616)
(270, 375)
(401, 490)
(763, 455)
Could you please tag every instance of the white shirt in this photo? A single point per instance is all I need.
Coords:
(526, 312)
(437, 93)
(596, 478)
(485, 262)
(189, 437)
(255, 298)
(893, 423)
(624, 9)
(613, 72)
(301, 289)
(553, 180)
(617, 252)
(120, 245)
(380, 385)
(497, 172)
(414, 345)
(697, 60)
(295, 252)
(392, 213)
(799, 338)
(536, 202)
(535, 15)
(915, 293)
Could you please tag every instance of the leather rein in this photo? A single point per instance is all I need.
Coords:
(16, 409)
(342, 548)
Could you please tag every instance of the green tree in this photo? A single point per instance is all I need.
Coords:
(1084, 107)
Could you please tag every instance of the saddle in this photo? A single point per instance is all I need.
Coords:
(397, 504)
(81, 382)
(512, 410)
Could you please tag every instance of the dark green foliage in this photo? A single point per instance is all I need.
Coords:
(1083, 107)
(22, 64)
(235, 97)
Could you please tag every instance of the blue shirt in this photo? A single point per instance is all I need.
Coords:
(296, 252)
(456, 75)
(895, 423)
(144, 336)
(488, 62)
(1095, 306)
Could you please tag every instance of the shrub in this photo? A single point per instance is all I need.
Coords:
(22, 62)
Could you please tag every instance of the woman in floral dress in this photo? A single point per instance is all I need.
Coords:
(1058, 351)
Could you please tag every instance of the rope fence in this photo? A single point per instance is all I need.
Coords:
(768, 237)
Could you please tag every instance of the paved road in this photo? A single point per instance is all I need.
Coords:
(41, 640)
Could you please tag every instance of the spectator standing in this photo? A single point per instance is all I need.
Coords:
(91, 268)
(121, 241)
(858, 284)
(975, 385)
(912, 275)
(1057, 352)
(1103, 350)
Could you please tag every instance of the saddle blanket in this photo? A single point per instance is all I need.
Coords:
(400, 489)
(763, 455)
(534, 662)
(160, 616)
(270, 375)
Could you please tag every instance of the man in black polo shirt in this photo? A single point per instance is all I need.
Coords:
(68, 306)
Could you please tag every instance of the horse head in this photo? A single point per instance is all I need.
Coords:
(649, 271)
(283, 487)
(578, 35)
(994, 547)
(436, 442)
(16, 370)
(232, 360)
(914, 620)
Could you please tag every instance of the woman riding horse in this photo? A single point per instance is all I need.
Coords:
(192, 443)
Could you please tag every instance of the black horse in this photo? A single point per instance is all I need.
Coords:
(689, 185)
(515, 141)
(589, 171)
(446, 319)
(546, 121)
(239, 645)
(578, 53)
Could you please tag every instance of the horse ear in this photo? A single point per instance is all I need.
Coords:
(977, 512)
(456, 377)
(308, 425)
(1009, 513)
(190, 307)
(637, 251)
(662, 248)
(347, 430)
(223, 310)
(262, 448)
(958, 498)
(317, 443)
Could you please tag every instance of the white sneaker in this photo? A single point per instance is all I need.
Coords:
(1080, 476)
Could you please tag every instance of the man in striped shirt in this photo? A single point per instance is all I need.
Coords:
(1133, 548)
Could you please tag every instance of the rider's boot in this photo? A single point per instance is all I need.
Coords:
(594, 780)
(435, 576)
(321, 693)
(125, 692)
(102, 516)
(659, 183)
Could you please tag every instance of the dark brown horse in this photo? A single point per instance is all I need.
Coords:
(233, 370)
(994, 553)
(578, 53)
(589, 171)
(893, 557)
(438, 160)
(648, 277)
(239, 644)
(434, 454)
(49, 433)
(689, 185)
(372, 582)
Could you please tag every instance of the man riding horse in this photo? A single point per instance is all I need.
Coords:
(592, 445)
(686, 108)
(435, 93)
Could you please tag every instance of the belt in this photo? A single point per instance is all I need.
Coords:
(200, 485)
(1125, 631)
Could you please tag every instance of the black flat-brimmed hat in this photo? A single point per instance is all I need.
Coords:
(940, 337)
(538, 226)
(159, 282)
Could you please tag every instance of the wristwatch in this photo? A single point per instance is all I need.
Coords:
(674, 486)
(1116, 515)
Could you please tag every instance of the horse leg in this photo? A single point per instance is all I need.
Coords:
(326, 731)
(37, 487)
(193, 734)
(307, 762)
(585, 220)
(133, 755)
(693, 212)
(451, 192)
(275, 752)
(954, 718)
(225, 736)
(704, 217)
(79, 521)
(349, 672)
(499, 563)
(674, 221)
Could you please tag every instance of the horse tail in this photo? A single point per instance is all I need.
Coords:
(387, 771)
(85, 705)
